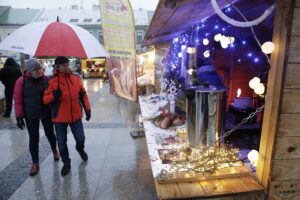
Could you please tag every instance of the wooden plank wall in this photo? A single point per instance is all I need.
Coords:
(285, 173)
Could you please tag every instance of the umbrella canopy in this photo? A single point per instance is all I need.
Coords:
(53, 39)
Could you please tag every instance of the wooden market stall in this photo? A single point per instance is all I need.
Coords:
(279, 155)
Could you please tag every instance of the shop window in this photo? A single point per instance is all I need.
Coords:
(100, 37)
(87, 20)
(139, 37)
(74, 20)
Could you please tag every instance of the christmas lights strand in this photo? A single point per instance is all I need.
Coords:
(251, 27)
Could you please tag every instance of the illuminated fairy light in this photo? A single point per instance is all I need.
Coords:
(268, 47)
(179, 55)
(205, 41)
(206, 54)
(254, 83)
(183, 47)
(176, 39)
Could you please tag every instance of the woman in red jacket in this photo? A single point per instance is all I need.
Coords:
(28, 94)
(67, 96)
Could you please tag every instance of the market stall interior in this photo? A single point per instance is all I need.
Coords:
(218, 58)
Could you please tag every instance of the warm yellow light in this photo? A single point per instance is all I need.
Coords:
(238, 92)
(142, 59)
(191, 50)
(268, 47)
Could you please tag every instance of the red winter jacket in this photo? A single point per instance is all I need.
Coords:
(69, 107)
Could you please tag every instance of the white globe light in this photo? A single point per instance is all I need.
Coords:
(217, 37)
(190, 72)
(253, 157)
(224, 45)
(183, 47)
(268, 47)
(191, 50)
(260, 89)
(179, 55)
(206, 54)
(205, 41)
(254, 83)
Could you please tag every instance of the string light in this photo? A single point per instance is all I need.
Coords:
(268, 47)
(205, 41)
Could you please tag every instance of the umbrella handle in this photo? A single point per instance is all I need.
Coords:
(58, 87)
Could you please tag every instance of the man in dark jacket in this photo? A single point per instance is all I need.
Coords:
(9, 75)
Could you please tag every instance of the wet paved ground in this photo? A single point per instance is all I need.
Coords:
(118, 166)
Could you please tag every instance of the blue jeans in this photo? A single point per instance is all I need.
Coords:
(61, 134)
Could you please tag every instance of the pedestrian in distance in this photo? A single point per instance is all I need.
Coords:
(67, 97)
(29, 108)
(9, 75)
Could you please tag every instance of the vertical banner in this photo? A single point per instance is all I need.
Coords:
(119, 40)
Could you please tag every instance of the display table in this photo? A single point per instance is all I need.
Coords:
(205, 188)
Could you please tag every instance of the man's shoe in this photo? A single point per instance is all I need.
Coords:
(34, 169)
(84, 156)
(56, 155)
(65, 169)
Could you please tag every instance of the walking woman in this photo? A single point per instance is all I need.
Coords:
(9, 75)
(28, 95)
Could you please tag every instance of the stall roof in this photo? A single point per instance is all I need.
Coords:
(173, 17)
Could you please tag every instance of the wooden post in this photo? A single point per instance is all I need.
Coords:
(282, 27)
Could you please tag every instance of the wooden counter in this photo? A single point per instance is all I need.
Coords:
(202, 189)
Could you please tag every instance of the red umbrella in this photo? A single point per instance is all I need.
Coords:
(53, 39)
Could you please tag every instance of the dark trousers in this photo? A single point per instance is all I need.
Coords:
(34, 135)
(61, 133)
(8, 99)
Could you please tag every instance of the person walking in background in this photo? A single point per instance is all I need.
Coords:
(48, 69)
(9, 75)
(28, 95)
(67, 96)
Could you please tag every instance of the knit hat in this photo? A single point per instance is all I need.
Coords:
(61, 60)
(33, 64)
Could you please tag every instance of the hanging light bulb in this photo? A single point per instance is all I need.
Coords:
(179, 55)
(224, 45)
(190, 72)
(254, 83)
(206, 54)
(191, 50)
(260, 89)
(253, 157)
(268, 47)
(217, 37)
(183, 47)
(205, 41)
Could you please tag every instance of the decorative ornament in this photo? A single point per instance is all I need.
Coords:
(233, 22)
(260, 89)
(254, 83)
(268, 47)
(206, 54)
(205, 41)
